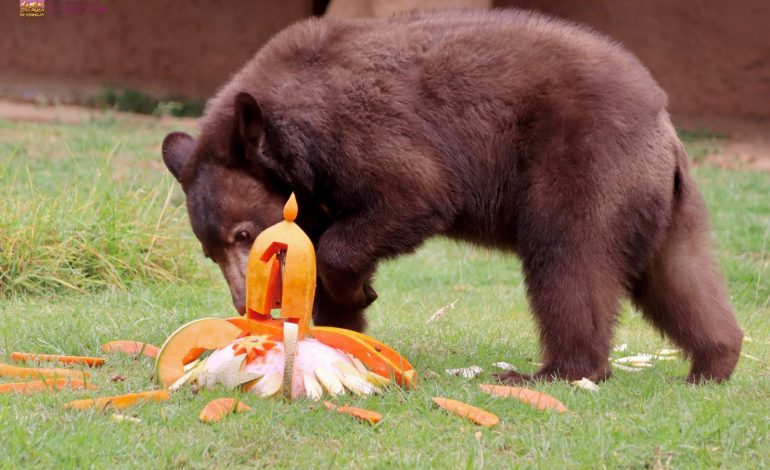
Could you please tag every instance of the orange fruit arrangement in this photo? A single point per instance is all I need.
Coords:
(273, 348)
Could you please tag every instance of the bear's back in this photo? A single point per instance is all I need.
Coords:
(449, 61)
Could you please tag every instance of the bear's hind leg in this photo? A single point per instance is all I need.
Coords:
(682, 294)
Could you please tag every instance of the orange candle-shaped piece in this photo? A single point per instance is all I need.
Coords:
(281, 272)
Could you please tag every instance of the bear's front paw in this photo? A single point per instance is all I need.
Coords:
(512, 378)
(328, 312)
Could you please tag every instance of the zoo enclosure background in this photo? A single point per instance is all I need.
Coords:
(712, 57)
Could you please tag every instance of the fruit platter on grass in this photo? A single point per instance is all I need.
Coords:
(279, 355)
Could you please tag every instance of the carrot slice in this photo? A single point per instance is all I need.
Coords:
(539, 400)
(133, 348)
(60, 358)
(118, 401)
(44, 386)
(26, 373)
(216, 410)
(477, 415)
(366, 415)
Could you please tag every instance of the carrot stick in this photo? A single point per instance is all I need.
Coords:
(539, 400)
(7, 370)
(217, 409)
(366, 415)
(133, 348)
(118, 401)
(62, 359)
(44, 385)
(477, 415)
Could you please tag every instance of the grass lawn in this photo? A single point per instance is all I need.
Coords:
(95, 246)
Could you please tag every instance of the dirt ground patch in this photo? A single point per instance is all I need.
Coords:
(28, 112)
(734, 142)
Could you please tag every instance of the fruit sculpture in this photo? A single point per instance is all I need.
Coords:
(269, 355)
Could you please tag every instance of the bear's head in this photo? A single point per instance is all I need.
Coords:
(230, 198)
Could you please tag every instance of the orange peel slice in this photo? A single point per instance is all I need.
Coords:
(216, 410)
(372, 417)
(470, 412)
(132, 348)
(119, 401)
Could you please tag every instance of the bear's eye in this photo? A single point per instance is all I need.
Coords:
(242, 236)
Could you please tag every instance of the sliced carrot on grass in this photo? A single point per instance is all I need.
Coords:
(216, 410)
(118, 401)
(477, 415)
(47, 385)
(133, 348)
(539, 400)
(366, 415)
(32, 373)
(60, 358)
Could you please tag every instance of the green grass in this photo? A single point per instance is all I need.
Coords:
(81, 206)
(78, 213)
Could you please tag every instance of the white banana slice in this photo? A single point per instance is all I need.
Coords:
(346, 368)
(466, 372)
(358, 385)
(627, 368)
(313, 389)
(641, 358)
(329, 381)
(268, 385)
(190, 376)
(669, 352)
(188, 367)
(377, 379)
(360, 367)
(585, 384)
(229, 374)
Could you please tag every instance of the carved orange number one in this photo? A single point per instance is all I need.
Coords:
(273, 258)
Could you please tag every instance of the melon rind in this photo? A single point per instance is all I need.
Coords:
(208, 333)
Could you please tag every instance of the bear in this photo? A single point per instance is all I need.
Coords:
(506, 129)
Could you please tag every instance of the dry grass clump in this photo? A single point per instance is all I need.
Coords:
(79, 240)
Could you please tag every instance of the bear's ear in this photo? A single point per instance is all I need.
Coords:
(178, 148)
(248, 125)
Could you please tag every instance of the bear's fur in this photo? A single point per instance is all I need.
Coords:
(505, 129)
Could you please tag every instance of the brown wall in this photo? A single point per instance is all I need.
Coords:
(711, 56)
(162, 46)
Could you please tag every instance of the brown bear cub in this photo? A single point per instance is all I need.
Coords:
(505, 129)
